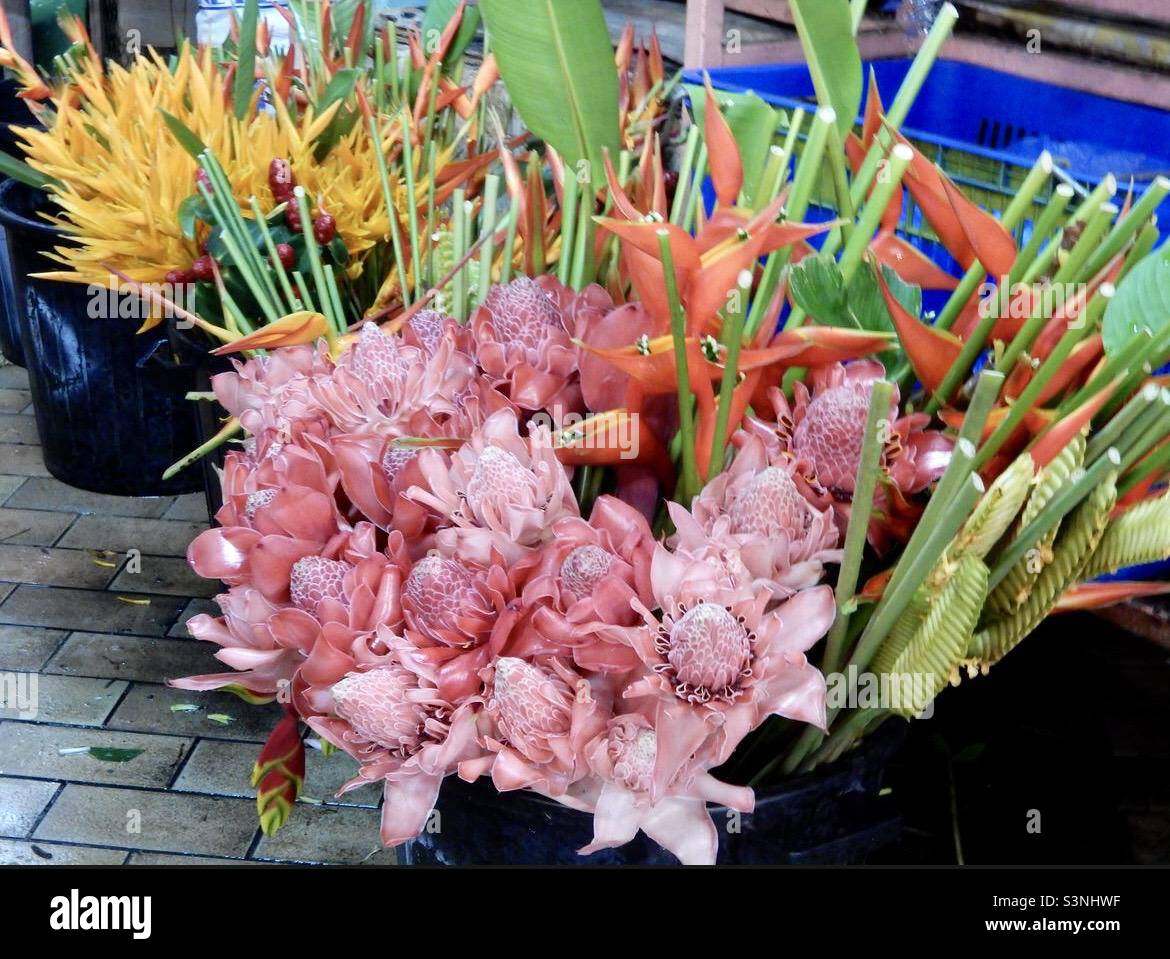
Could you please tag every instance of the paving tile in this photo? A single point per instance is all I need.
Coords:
(9, 485)
(21, 803)
(22, 460)
(324, 775)
(72, 700)
(151, 537)
(47, 493)
(225, 769)
(193, 608)
(46, 566)
(176, 859)
(14, 401)
(14, 853)
(332, 834)
(28, 647)
(165, 821)
(132, 657)
(219, 768)
(28, 749)
(147, 707)
(13, 377)
(161, 574)
(32, 527)
(15, 428)
(191, 507)
(60, 608)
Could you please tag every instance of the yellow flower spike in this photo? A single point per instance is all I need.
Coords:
(296, 329)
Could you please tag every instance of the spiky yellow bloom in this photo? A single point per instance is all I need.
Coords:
(123, 175)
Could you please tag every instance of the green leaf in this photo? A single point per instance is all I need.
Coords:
(753, 123)
(826, 33)
(557, 63)
(340, 88)
(19, 170)
(438, 15)
(246, 65)
(1142, 302)
(110, 755)
(191, 211)
(186, 137)
(342, 13)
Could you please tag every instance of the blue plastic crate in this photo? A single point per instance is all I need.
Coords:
(985, 128)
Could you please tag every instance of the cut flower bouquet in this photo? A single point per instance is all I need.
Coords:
(607, 507)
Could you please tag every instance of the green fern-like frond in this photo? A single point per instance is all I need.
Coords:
(1014, 589)
(1080, 535)
(921, 668)
(1139, 535)
(444, 253)
(997, 508)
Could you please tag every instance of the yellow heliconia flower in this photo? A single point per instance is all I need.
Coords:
(124, 175)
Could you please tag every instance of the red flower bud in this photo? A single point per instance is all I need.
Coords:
(324, 228)
(201, 269)
(287, 255)
(292, 216)
(281, 180)
(176, 277)
(202, 177)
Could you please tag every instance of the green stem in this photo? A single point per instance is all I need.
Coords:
(290, 298)
(1128, 226)
(689, 481)
(875, 207)
(568, 225)
(868, 467)
(323, 296)
(391, 213)
(1111, 433)
(491, 194)
(732, 341)
(411, 217)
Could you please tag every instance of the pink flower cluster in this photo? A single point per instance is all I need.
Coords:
(407, 567)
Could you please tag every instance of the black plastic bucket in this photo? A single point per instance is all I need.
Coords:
(109, 404)
(191, 349)
(13, 112)
(833, 816)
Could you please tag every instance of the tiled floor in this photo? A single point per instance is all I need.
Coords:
(73, 614)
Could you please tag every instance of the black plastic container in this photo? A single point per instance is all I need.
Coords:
(109, 404)
(831, 816)
(191, 349)
(12, 112)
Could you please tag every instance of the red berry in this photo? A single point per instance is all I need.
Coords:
(281, 180)
(201, 269)
(324, 229)
(176, 277)
(292, 216)
(287, 255)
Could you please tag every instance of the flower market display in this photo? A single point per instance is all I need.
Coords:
(586, 454)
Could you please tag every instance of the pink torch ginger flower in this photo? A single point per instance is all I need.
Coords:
(624, 759)
(587, 575)
(754, 519)
(385, 710)
(718, 664)
(542, 715)
(272, 394)
(428, 328)
(824, 431)
(456, 615)
(524, 347)
(498, 491)
(284, 504)
(250, 641)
